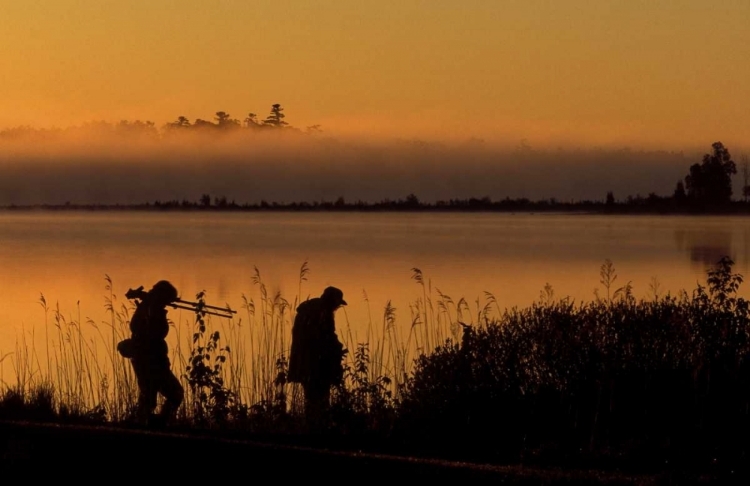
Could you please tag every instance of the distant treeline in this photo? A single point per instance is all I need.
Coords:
(651, 204)
(222, 121)
(707, 186)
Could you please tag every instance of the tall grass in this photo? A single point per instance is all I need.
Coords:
(86, 375)
(588, 376)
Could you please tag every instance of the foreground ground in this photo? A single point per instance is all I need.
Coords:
(72, 451)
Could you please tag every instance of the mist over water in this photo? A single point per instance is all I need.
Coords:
(96, 166)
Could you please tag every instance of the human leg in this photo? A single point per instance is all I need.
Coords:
(146, 392)
(174, 394)
(317, 398)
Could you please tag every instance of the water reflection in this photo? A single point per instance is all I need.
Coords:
(66, 255)
(705, 248)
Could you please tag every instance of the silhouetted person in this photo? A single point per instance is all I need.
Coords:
(148, 353)
(315, 358)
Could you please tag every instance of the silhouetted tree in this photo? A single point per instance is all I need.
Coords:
(412, 201)
(276, 117)
(205, 200)
(251, 121)
(711, 181)
(610, 199)
(182, 122)
(679, 193)
(199, 123)
(224, 120)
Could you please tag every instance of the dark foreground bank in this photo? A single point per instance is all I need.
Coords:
(75, 451)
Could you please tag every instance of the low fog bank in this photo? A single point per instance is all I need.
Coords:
(293, 167)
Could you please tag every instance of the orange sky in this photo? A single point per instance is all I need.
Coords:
(591, 71)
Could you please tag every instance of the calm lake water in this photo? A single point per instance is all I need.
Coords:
(65, 256)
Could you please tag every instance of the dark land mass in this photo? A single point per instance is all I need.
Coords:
(70, 450)
(633, 205)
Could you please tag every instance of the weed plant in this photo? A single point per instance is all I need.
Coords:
(657, 381)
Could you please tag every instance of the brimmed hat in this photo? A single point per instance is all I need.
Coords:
(334, 295)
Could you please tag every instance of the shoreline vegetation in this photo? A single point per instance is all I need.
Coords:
(632, 205)
(656, 386)
(707, 189)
